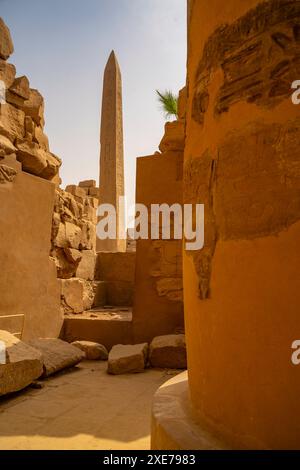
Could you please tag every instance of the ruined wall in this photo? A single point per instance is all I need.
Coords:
(74, 247)
(28, 284)
(242, 291)
(158, 301)
(117, 271)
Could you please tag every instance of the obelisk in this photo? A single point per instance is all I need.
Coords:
(112, 152)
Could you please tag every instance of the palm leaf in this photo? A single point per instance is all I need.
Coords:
(169, 103)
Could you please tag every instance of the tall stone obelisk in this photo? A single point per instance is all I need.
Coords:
(112, 153)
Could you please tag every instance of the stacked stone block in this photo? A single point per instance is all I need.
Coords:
(22, 136)
(74, 249)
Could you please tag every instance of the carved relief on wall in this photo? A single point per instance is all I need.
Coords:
(7, 174)
(250, 188)
(259, 55)
(166, 257)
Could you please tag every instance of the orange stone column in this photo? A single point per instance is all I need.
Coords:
(242, 159)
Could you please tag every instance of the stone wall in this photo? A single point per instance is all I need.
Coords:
(242, 291)
(117, 271)
(158, 300)
(74, 247)
(28, 171)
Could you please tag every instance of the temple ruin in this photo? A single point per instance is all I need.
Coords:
(206, 334)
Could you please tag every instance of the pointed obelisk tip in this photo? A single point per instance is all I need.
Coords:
(112, 61)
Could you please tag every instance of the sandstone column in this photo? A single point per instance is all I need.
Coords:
(111, 155)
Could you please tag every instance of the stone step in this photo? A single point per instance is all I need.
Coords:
(106, 325)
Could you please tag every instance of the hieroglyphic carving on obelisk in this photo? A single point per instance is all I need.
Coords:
(111, 154)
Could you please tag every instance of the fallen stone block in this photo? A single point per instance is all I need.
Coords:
(66, 264)
(93, 351)
(7, 73)
(168, 352)
(72, 291)
(33, 158)
(23, 364)
(6, 44)
(12, 122)
(73, 235)
(6, 146)
(34, 107)
(20, 87)
(36, 160)
(86, 267)
(124, 359)
(57, 354)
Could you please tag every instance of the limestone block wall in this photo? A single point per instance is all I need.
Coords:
(28, 171)
(74, 247)
(242, 291)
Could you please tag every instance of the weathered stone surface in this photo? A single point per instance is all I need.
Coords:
(173, 139)
(182, 101)
(20, 87)
(87, 184)
(171, 288)
(89, 212)
(34, 107)
(124, 359)
(23, 364)
(36, 160)
(93, 201)
(86, 267)
(29, 125)
(11, 122)
(258, 55)
(7, 174)
(75, 190)
(53, 165)
(74, 256)
(73, 235)
(14, 99)
(168, 351)
(88, 236)
(94, 192)
(6, 44)
(6, 146)
(72, 291)
(93, 351)
(100, 294)
(66, 264)
(111, 155)
(33, 158)
(57, 354)
(7, 73)
(11, 161)
(40, 138)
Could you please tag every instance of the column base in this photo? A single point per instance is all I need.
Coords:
(174, 424)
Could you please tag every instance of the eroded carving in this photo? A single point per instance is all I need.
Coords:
(7, 174)
(259, 55)
(250, 188)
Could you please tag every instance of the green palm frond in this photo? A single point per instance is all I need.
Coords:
(169, 103)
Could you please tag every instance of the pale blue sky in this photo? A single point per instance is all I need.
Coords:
(62, 46)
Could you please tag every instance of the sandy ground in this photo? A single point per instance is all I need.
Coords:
(84, 408)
